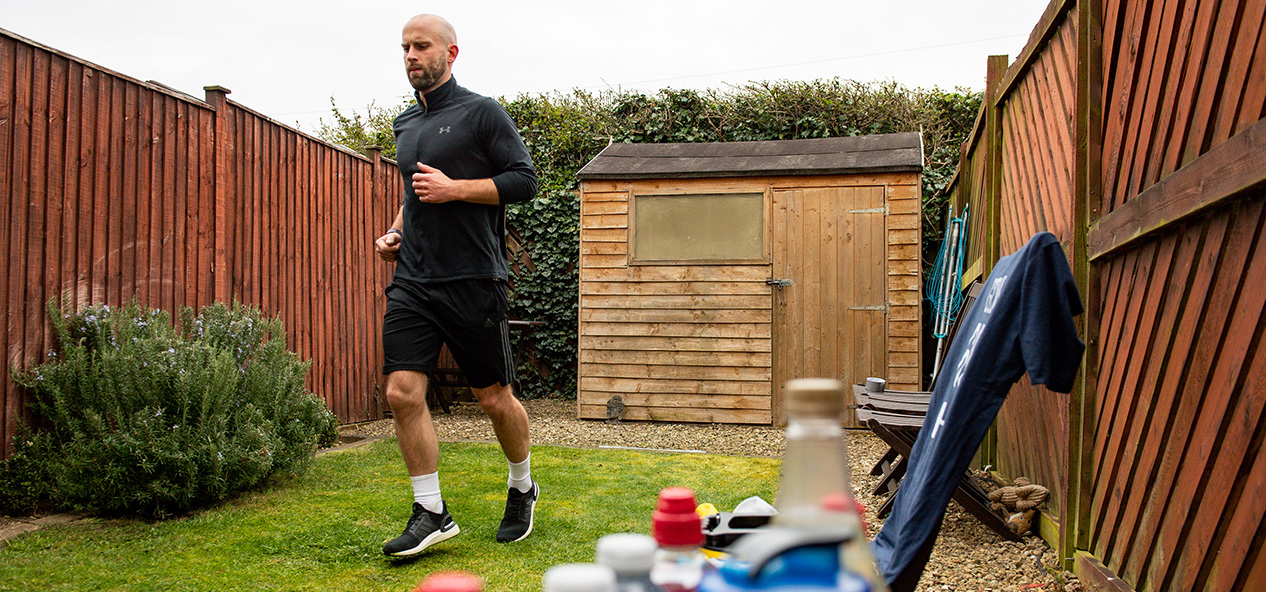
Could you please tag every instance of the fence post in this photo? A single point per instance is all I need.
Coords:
(991, 229)
(1088, 194)
(224, 209)
(376, 223)
(996, 70)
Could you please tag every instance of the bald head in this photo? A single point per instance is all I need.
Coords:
(430, 46)
(434, 23)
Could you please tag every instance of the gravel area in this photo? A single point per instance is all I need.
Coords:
(967, 555)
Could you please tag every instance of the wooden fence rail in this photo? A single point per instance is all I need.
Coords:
(117, 189)
(1134, 131)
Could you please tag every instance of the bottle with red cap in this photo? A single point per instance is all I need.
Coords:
(679, 564)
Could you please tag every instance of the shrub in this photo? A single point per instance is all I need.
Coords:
(138, 418)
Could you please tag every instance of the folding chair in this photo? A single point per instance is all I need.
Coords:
(896, 417)
(890, 414)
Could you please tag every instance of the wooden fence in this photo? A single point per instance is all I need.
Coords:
(118, 189)
(1133, 130)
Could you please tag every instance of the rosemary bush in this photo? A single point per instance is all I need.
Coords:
(137, 417)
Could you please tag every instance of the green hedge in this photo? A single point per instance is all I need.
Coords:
(564, 131)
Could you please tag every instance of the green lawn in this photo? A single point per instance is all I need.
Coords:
(324, 530)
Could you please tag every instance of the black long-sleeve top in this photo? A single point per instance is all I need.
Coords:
(466, 136)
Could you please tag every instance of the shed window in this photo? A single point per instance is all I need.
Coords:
(719, 227)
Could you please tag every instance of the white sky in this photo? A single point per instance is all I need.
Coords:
(286, 58)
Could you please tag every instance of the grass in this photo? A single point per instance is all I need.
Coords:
(324, 530)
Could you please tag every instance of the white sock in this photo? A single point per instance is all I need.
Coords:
(521, 474)
(426, 491)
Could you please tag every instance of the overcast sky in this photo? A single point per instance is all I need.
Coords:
(286, 58)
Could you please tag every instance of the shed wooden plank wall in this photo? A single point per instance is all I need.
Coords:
(114, 189)
(904, 199)
(696, 342)
(1134, 131)
(676, 342)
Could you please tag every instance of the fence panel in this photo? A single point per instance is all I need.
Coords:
(102, 179)
(1139, 126)
(1037, 149)
(1037, 160)
(307, 254)
(1179, 402)
(117, 189)
(1178, 423)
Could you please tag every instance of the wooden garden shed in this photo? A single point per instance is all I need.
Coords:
(710, 274)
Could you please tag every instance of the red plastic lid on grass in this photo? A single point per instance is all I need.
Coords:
(675, 523)
(450, 581)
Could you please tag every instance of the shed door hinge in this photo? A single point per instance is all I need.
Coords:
(880, 307)
(883, 210)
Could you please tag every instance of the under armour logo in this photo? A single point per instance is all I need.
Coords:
(445, 130)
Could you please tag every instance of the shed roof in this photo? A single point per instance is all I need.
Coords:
(883, 153)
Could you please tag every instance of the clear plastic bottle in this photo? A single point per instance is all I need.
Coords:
(679, 564)
(815, 465)
(815, 490)
(579, 577)
(631, 556)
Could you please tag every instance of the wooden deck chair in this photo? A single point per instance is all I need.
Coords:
(898, 412)
(896, 416)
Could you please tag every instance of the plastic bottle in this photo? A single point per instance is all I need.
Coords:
(631, 556)
(679, 564)
(814, 465)
(815, 492)
(579, 577)
(450, 581)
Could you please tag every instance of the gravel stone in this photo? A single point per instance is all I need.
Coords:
(967, 555)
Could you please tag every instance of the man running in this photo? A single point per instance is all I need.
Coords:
(461, 160)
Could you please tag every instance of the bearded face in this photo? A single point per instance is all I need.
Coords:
(426, 72)
(429, 50)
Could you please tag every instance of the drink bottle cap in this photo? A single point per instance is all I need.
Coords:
(675, 523)
(627, 553)
(450, 581)
(838, 502)
(821, 397)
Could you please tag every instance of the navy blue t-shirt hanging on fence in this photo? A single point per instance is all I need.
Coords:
(1022, 321)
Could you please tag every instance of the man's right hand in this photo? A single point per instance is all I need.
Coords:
(387, 245)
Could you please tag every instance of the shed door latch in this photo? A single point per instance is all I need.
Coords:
(781, 283)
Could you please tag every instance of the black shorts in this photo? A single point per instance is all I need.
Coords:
(468, 315)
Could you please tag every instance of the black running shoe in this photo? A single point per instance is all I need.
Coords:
(516, 525)
(425, 528)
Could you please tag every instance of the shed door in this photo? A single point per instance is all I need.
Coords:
(829, 322)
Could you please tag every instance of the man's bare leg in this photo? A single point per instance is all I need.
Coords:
(415, 431)
(509, 420)
(510, 424)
